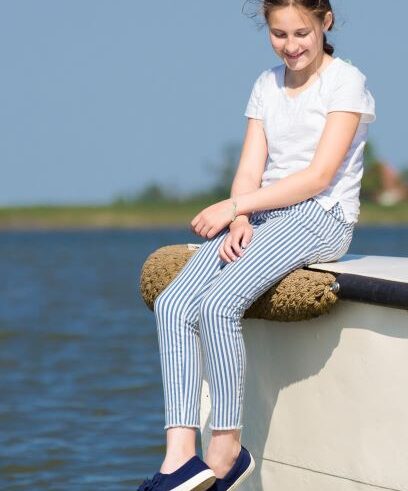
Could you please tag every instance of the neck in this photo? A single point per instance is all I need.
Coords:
(296, 78)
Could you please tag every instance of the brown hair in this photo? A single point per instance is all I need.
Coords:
(318, 8)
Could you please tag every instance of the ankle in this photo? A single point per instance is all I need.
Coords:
(224, 449)
(175, 460)
(221, 458)
(221, 463)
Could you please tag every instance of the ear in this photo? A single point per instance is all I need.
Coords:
(328, 19)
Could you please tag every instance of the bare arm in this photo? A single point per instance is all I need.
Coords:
(252, 162)
(331, 151)
(335, 142)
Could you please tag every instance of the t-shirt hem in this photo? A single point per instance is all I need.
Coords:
(365, 116)
(249, 114)
(350, 218)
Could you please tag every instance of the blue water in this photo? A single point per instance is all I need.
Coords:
(81, 396)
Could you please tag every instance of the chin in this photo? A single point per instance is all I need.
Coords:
(297, 66)
(301, 65)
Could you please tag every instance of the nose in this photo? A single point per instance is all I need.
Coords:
(291, 47)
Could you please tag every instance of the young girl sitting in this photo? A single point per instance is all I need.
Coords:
(294, 201)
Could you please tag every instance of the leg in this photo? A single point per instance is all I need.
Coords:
(177, 314)
(280, 245)
(176, 311)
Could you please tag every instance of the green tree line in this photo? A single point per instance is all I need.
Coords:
(224, 173)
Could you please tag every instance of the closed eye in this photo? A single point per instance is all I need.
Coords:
(302, 35)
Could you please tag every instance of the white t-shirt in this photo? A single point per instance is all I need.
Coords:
(293, 127)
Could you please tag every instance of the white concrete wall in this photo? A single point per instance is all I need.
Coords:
(326, 401)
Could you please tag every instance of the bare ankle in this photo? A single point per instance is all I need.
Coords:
(221, 456)
(221, 464)
(222, 453)
(181, 447)
(172, 462)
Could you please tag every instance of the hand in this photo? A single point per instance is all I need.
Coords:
(237, 239)
(213, 219)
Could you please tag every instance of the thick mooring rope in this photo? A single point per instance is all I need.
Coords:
(302, 294)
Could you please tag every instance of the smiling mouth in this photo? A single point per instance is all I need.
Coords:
(293, 57)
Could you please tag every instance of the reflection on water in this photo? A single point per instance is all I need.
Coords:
(81, 404)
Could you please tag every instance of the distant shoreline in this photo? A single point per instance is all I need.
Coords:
(150, 215)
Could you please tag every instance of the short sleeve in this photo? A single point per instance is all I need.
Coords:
(351, 94)
(255, 104)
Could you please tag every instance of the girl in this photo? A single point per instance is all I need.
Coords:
(294, 201)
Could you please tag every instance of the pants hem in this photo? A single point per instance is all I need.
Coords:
(181, 425)
(217, 428)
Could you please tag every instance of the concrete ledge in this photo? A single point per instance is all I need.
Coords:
(326, 401)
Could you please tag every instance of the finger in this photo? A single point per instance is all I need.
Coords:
(195, 220)
(230, 253)
(222, 254)
(223, 247)
(204, 231)
(199, 228)
(216, 229)
(227, 242)
(211, 232)
(236, 247)
(246, 239)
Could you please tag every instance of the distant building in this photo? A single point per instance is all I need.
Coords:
(393, 188)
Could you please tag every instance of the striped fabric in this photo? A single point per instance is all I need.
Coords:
(199, 313)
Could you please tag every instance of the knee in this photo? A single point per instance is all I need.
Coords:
(169, 303)
(217, 307)
(164, 301)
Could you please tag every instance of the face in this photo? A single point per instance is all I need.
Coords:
(294, 31)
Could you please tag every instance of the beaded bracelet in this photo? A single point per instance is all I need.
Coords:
(234, 210)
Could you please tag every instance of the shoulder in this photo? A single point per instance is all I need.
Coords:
(348, 73)
(266, 81)
(268, 74)
(348, 91)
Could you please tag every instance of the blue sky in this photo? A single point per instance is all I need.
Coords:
(101, 97)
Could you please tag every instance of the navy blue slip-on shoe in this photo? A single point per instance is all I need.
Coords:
(243, 467)
(194, 475)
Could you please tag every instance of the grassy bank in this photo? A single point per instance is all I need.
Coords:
(163, 214)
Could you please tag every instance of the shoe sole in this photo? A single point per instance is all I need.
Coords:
(200, 482)
(243, 476)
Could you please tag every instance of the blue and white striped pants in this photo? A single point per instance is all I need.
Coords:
(199, 313)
